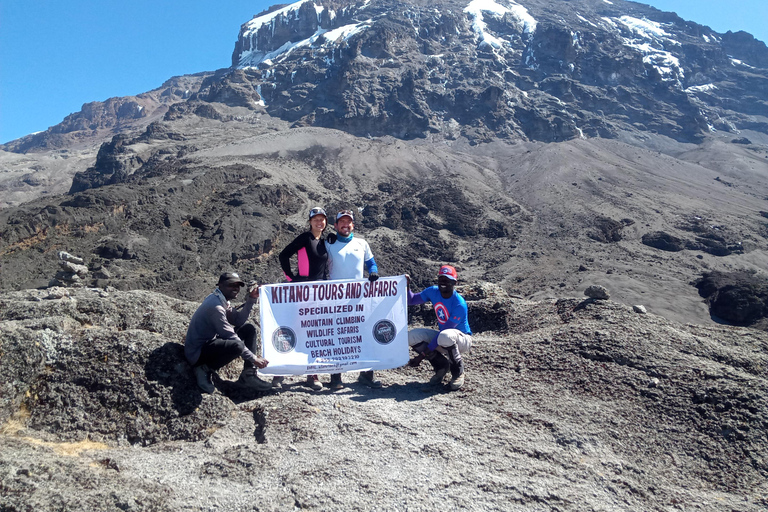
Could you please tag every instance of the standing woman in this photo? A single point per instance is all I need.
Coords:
(309, 247)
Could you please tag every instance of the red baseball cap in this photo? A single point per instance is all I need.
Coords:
(449, 272)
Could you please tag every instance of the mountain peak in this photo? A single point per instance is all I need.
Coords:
(500, 69)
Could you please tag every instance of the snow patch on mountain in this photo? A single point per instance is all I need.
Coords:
(322, 38)
(737, 62)
(649, 38)
(256, 23)
(478, 9)
(256, 56)
(646, 29)
(585, 20)
(343, 34)
(701, 88)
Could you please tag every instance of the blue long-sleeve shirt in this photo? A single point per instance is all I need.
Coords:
(451, 313)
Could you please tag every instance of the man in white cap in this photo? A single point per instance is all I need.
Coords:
(348, 257)
(219, 333)
(442, 348)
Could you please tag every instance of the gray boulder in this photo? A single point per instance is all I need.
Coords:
(596, 291)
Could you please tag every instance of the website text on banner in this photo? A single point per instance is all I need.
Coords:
(334, 326)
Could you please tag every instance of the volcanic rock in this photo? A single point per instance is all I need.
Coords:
(98, 120)
(524, 70)
(663, 241)
(740, 298)
(436, 124)
(608, 230)
(65, 256)
(99, 410)
(597, 292)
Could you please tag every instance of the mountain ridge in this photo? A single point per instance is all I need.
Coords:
(201, 121)
(536, 70)
(639, 58)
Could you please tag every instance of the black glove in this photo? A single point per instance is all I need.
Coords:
(331, 238)
(373, 276)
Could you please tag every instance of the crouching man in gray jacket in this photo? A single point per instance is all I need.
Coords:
(219, 333)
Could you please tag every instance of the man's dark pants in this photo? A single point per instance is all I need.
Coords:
(220, 352)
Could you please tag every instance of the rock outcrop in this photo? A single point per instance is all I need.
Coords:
(72, 273)
(98, 411)
(100, 120)
(598, 292)
(739, 298)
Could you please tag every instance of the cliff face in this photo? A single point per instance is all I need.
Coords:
(99, 120)
(536, 70)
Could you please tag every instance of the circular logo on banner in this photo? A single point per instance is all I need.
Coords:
(283, 339)
(384, 332)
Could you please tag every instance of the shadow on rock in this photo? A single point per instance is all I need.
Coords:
(411, 392)
(260, 420)
(237, 392)
(167, 366)
(737, 298)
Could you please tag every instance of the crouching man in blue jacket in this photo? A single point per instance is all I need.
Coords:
(442, 348)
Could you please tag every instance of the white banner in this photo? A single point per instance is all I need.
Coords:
(334, 326)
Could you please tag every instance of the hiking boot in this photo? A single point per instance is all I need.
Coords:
(314, 383)
(277, 381)
(456, 382)
(336, 383)
(437, 378)
(250, 378)
(367, 379)
(203, 376)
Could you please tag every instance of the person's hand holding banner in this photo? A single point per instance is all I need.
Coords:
(334, 326)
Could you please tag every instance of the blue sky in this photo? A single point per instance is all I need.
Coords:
(56, 55)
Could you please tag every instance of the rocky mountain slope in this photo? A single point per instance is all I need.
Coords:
(99, 119)
(479, 71)
(44, 163)
(193, 196)
(485, 69)
(569, 405)
(659, 175)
